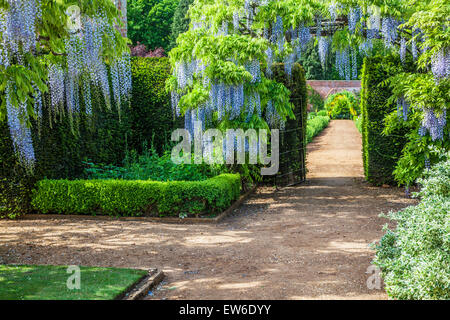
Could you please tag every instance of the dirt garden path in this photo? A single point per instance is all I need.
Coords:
(304, 242)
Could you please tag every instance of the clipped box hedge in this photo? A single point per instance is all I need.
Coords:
(136, 197)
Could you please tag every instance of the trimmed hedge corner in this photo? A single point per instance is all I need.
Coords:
(137, 197)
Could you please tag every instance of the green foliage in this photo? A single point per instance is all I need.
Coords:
(44, 282)
(180, 21)
(103, 138)
(151, 118)
(342, 105)
(315, 99)
(380, 151)
(137, 197)
(417, 149)
(150, 22)
(151, 166)
(316, 124)
(358, 123)
(414, 258)
(14, 199)
(51, 34)
(293, 140)
(310, 61)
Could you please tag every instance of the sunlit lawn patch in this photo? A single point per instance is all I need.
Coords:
(31, 282)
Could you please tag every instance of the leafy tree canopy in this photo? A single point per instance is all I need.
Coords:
(150, 22)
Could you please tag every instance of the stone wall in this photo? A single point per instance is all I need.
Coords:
(327, 87)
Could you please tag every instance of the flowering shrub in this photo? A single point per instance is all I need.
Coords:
(415, 257)
(342, 105)
(140, 50)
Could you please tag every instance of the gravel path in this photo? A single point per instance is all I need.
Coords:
(304, 242)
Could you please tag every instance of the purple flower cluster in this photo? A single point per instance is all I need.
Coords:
(353, 17)
(389, 31)
(440, 64)
(343, 64)
(434, 124)
(20, 132)
(402, 108)
(402, 50)
(324, 46)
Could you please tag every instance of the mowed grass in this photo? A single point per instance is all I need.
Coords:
(31, 282)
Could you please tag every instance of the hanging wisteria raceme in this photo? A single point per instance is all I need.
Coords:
(353, 18)
(440, 64)
(289, 63)
(374, 21)
(434, 124)
(324, 46)
(402, 108)
(21, 19)
(333, 11)
(56, 87)
(354, 65)
(20, 132)
(304, 36)
(402, 50)
(343, 64)
(69, 81)
(365, 47)
(269, 55)
(254, 68)
(389, 31)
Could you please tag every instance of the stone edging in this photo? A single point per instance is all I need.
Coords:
(140, 288)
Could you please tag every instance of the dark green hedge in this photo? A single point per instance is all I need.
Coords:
(380, 153)
(136, 197)
(151, 115)
(104, 137)
(293, 139)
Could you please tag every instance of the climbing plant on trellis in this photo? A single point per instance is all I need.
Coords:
(222, 64)
(63, 50)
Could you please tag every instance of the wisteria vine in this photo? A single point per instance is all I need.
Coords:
(69, 82)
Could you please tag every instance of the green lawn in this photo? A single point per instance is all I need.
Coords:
(30, 282)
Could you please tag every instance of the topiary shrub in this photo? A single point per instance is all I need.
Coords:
(137, 197)
(415, 257)
(380, 152)
(342, 105)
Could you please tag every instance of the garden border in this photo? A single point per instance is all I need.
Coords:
(214, 220)
(140, 288)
